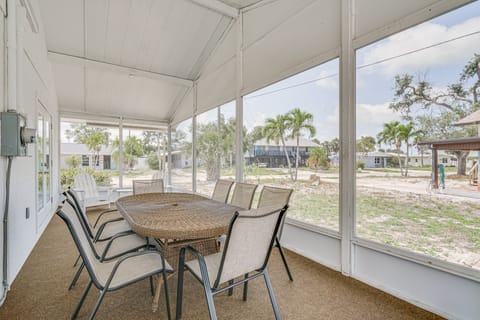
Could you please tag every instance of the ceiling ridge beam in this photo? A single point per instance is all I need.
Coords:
(219, 7)
(71, 59)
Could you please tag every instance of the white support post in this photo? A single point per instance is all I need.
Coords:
(169, 157)
(347, 135)
(194, 139)
(239, 102)
(120, 153)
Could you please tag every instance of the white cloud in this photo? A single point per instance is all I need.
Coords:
(255, 119)
(426, 34)
(371, 117)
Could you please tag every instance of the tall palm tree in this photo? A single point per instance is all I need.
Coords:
(299, 122)
(406, 133)
(390, 135)
(275, 129)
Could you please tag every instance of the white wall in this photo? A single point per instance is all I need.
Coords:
(36, 85)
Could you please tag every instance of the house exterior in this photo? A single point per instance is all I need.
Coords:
(104, 161)
(272, 155)
(448, 160)
(376, 159)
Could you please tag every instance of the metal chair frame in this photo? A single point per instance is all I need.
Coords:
(70, 199)
(106, 288)
(210, 291)
(277, 238)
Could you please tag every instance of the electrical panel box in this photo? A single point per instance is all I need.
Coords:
(14, 134)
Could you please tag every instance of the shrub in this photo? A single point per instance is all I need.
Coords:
(152, 160)
(67, 176)
(361, 165)
(102, 178)
(73, 161)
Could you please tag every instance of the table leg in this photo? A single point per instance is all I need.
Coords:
(157, 293)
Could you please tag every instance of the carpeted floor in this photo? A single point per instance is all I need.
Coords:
(40, 292)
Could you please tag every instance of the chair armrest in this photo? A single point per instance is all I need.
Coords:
(117, 236)
(199, 257)
(102, 227)
(102, 214)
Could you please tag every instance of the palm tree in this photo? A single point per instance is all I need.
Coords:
(406, 132)
(299, 122)
(275, 129)
(390, 135)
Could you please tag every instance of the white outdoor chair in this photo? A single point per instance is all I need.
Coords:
(243, 194)
(249, 243)
(157, 175)
(148, 186)
(89, 195)
(115, 274)
(278, 197)
(222, 190)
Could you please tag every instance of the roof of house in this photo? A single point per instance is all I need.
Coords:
(68, 148)
(288, 143)
(473, 118)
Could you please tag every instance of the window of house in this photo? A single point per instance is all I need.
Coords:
(85, 160)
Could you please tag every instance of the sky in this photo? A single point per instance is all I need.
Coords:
(441, 64)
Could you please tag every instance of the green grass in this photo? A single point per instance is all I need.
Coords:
(420, 223)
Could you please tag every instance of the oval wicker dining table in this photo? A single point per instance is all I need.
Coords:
(173, 215)
(176, 219)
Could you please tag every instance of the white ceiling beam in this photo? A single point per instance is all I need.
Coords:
(75, 60)
(218, 6)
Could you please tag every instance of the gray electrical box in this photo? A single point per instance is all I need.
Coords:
(14, 134)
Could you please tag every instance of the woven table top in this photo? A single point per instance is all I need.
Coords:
(176, 215)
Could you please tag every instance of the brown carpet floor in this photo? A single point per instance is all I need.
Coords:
(40, 292)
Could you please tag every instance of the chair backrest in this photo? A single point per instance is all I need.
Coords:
(222, 189)
(148, 186)
(87, 184)
(83, 243)
(243, 195)
(273, 196)
(249, 242)
(73, 199)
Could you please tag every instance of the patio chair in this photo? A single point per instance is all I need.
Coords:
(249, 243)
(115, 274)
(103, 231)
(116, 246)
(279, 197)
(89, 194)
(148, 186)
(222, 190)
(242, 195)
